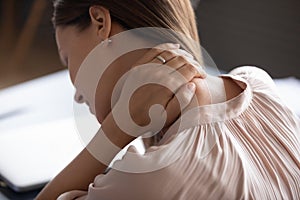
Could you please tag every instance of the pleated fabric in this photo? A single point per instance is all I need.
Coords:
(245, 148)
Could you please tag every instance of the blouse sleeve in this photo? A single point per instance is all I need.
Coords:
(255, 74)
(260, 81)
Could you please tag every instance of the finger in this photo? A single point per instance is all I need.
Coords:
(176, 62)
(179, 102)
(154, 52)
(183, 53)
(184, 65)
(166, 55)
(169, 54)
(190, 59)
(189, 72)
(166, 46)
(198, 67)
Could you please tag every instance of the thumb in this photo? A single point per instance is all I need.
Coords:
(179, 102)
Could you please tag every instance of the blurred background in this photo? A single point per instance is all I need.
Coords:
(264, 33)
(27, 43)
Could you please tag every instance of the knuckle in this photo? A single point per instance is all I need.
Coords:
(181, 59)
(192, 69)
(168, 54)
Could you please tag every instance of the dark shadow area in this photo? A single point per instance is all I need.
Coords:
(262, 33)
(27, 43)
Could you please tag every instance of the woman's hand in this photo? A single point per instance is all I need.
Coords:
(162, 76)
(140, 102)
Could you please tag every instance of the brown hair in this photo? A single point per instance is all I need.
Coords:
(177, 15)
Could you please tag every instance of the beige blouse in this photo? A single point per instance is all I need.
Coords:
(245, 148)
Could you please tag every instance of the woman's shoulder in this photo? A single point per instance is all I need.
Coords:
(254, 75)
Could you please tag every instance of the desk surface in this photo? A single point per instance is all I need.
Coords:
(8, 194)
(32, 109)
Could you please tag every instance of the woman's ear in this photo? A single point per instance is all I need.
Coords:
(101, 20)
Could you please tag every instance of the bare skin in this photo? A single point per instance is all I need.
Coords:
(74, 47)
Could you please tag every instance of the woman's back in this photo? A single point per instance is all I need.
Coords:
(244, 148)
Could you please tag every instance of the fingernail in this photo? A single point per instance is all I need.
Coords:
(177, 46)
(191, 87)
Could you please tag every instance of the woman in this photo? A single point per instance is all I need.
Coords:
(240, 143)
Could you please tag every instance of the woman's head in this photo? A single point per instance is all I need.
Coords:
(177, 15)
(82, 24)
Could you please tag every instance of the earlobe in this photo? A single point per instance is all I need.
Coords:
(101, 20)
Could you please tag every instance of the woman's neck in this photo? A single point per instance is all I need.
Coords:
(212, 90)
